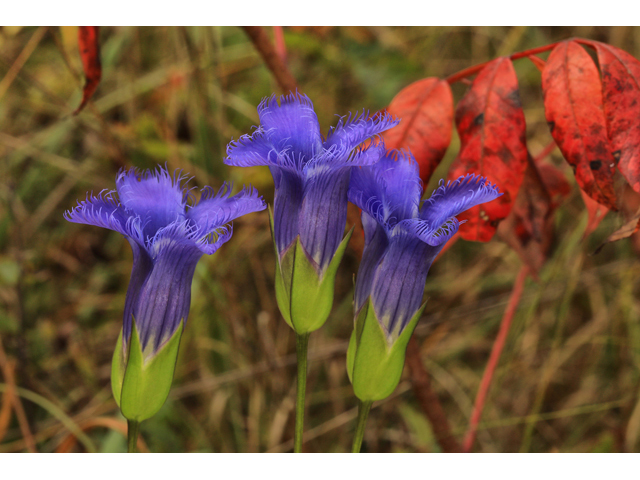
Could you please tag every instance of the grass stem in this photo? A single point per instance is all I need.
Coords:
(494, 358)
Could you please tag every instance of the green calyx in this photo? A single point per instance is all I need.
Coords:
(141, 382)
(374, 364)
(304, 296)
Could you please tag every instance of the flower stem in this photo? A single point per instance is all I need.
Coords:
(132, 435)
(363, 413)
(302, 342)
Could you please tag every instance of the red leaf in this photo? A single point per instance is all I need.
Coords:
(88, 42)
(491, 126)
(529, 228)
(575, 114)
(595, 211)
(620, 82)
(426, 110)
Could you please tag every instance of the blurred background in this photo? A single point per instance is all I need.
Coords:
(568, 379)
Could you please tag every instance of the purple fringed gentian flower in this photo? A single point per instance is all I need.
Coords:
(311, 176)
(168, 233)
(401, 242)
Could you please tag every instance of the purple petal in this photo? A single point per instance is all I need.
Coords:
(216, 209)
(142, 267)
(375, 245)
(165, 297)
(367, 193)
(251, 150)
(355, 129)
(286, 206)
(291, 125)
(455, 197)
(215, 239)
(155, 196)
(398, 284)
(105, 211)
(403, 188)
(389, 190)
(323, 215)
(434, 235)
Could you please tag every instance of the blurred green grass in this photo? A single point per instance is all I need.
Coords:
(568, 379)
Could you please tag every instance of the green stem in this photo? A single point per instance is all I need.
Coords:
(302, 342)
(132, 435)
(363, 413)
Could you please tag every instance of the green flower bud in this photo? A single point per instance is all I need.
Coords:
(305, 294)
(374, 359)
(141, 380)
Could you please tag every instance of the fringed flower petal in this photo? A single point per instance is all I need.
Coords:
(455, 197)
(215, 209)
(393, 274)
(251, 150)
(215, 239)
(389, 190)
(157, 197)
(366, 191)
(434, 235)
(351, 131)
(291, 125)
(167, 242)
(105, 211)
(403, 187)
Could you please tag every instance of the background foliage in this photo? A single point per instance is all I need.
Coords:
(567, 381)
